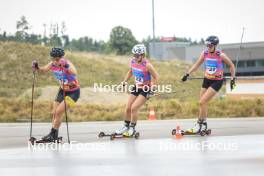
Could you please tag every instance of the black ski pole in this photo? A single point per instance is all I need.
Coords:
(32, 104)
(65, 109)
(166, 93)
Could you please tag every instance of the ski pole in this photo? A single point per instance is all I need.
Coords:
(32, 103)
(238, 78)
(239, 50)
(167, 93)
(65, 109)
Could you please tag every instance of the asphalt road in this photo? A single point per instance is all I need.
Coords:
(235, 147)
(17, 134)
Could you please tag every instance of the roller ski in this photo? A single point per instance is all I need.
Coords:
(121, 131)
(52, 137)
(200, 128)
(125, 132)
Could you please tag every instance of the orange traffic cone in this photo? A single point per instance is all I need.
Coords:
(152, 115)
(178, 133)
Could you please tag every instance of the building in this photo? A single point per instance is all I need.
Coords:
(250, 60)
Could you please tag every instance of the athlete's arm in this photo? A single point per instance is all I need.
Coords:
(128, 76)
(153, 73)
(72, 68)
(45, 68)
(197, 64)
(228, 61)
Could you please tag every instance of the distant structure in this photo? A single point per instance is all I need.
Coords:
(248, 88)
(250, 62)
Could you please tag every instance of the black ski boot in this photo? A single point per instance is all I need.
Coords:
(51, 137)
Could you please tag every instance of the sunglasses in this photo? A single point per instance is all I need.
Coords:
(210, 45)
(55, 58)
(137, 55)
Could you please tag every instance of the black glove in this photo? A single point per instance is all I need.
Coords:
(185, 77)
(232, 83)
(34, 65)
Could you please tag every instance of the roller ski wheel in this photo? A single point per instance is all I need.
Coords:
(32, 140)
(173, 132)
(101, 134)
(203, 133)
(137, 135)
(112, 137)
(208, 132)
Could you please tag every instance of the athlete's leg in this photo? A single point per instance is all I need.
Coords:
(127, 118)
(55, 105)
(131, 100)
(140, 100)
(202, 92)
(58, 113)
(205, 98)
(53, 135)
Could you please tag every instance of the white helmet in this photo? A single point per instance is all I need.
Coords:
(139, 49)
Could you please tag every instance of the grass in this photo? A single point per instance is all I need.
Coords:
(16, 74)
(19, 110)
(16, 79)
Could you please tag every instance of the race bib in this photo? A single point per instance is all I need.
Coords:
(139, 80)
(211, 66)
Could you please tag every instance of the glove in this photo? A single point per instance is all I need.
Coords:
(232, 83)
(185, 77)
(34, 65)
(64, 64)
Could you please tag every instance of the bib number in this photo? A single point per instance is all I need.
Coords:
(211, 70)
(139, 80)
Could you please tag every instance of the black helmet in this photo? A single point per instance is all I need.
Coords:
(214, 40)
(57, 52)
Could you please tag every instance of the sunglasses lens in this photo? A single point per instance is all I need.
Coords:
(137, 55)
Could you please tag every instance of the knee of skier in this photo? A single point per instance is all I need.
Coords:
(202, 102)
(128, 109)
(134, 109)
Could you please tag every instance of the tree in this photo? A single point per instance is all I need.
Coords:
(202, 41)
(121, 40)
(65, 40)
(34, 39)
(55, 40)
(22, 27)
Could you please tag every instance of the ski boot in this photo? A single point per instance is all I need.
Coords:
(51, 137)
(122, 130)
(199, 128)
(130, 132)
